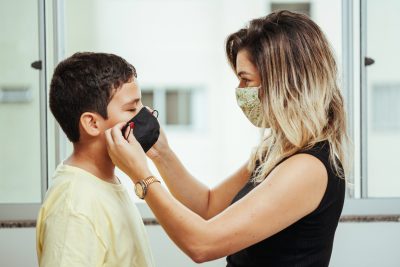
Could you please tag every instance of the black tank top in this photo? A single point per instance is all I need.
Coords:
(307, 242)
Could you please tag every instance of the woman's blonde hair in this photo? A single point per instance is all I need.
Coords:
(301, 99)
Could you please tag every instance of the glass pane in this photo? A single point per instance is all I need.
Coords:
(148, 98)
(383, 98)
(185, 99)
(20, 178)
(304, 8)
(172, 107)
(178, 107)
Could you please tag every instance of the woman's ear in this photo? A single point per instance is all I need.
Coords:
(90, 124)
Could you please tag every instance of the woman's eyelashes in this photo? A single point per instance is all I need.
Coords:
(244, 82)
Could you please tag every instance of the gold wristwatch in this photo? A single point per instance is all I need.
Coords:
(142, 186)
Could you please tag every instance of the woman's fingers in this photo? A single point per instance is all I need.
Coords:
(116, 132)
(114, 136)
(129, 129)
(131, 138)
(128, 155)
(120, 125)
(109, 140)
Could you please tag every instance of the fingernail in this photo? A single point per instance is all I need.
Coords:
(131, 125)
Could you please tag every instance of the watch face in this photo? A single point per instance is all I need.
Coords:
(139, 190)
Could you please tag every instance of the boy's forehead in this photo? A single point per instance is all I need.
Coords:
(128, 92)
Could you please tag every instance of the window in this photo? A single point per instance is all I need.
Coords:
(178, 107)
(385, 109)
(175, 105)
(23, 135)
(380, 98)
(148, 98)
(304, 8)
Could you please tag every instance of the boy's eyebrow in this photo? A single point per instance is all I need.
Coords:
(133, 101)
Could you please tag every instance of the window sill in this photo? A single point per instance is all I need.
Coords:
(154, 222)
(379, 210)
(32, 223)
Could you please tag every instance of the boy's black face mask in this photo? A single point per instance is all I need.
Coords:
(145, 128)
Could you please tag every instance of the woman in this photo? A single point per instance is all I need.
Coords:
(283, 206)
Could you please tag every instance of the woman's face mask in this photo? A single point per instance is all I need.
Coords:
(248, 101)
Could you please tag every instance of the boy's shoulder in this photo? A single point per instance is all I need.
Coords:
(68, 182)
(73, 189)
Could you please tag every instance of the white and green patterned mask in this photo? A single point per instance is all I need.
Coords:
(248, 101)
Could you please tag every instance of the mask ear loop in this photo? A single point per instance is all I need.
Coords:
(131, 125)
(155, 111)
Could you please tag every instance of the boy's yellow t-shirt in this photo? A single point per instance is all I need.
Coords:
(85, 221)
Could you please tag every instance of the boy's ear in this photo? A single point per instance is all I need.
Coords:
(90, 123)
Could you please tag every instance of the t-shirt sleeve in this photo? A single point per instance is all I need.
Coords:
(69, 239)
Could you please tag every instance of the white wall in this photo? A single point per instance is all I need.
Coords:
(366, 245)
(17, 247)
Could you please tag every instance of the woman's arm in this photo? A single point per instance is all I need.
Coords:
(291, 191)
(192, 193)
(187, 189)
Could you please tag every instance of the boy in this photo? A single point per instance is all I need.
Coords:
(87, 218)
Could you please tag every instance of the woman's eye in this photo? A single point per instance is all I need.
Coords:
(245, 81)
(132, 110)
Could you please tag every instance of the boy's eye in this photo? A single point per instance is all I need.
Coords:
(132, 110)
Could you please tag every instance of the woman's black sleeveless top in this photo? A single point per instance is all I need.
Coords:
(307, 242)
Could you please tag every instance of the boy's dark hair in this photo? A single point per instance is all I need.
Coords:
(86, 82)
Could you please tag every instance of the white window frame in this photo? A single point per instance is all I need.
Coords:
(354, 85)
(29, 211)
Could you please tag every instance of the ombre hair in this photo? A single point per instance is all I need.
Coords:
(301, 99)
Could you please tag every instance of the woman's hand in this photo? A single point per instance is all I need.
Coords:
(127, 155)
(160, 148)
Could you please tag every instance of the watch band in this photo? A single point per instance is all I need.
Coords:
(149, 180)
(146, 182)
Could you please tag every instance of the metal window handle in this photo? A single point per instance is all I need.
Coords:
(368, 61)
(37, 65)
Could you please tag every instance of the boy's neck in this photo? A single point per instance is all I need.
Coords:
(94, 160)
